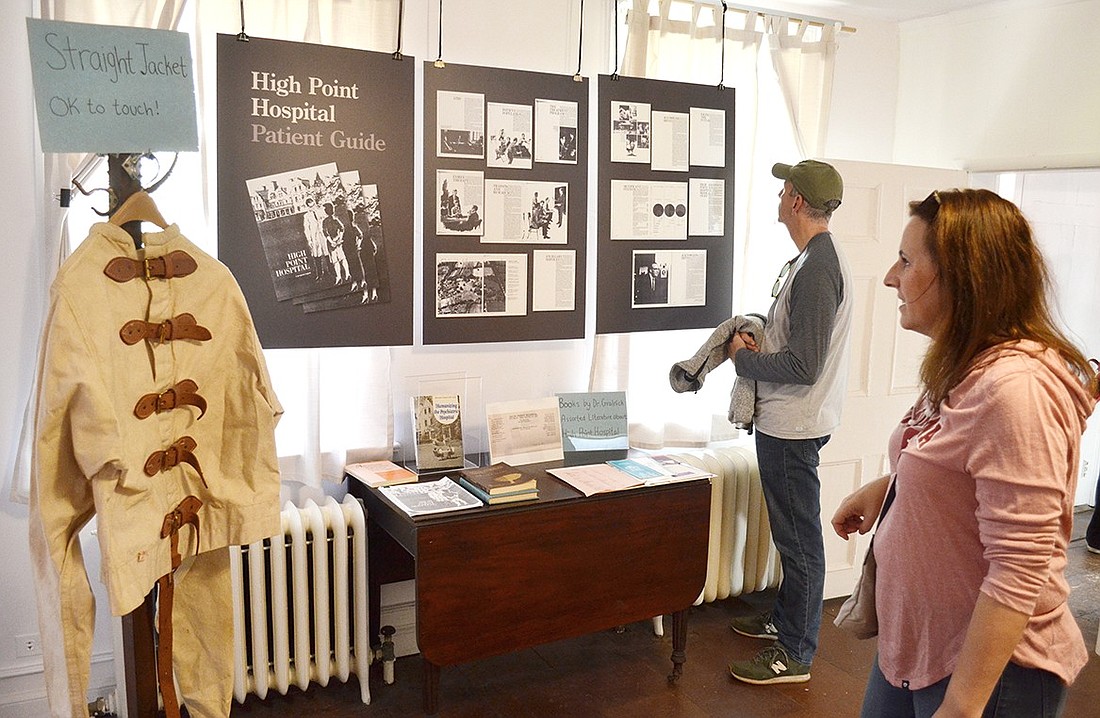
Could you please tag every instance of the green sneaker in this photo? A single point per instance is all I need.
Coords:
(758, 626)
(771, 665)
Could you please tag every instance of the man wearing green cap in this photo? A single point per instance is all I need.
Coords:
(801, 381)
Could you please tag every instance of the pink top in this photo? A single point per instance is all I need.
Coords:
(985, 491)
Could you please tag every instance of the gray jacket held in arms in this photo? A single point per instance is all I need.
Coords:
(688, 375)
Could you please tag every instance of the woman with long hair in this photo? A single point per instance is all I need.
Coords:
(971, 590)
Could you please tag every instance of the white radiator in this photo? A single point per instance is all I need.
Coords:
(300, 610)
(742, 558)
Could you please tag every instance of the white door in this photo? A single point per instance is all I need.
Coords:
(882, 382)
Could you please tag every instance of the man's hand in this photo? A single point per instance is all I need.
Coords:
(741, 340)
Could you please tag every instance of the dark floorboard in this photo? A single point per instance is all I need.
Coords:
(624, 674)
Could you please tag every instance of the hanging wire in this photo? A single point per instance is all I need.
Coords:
(615, 73)
(439, 58)
(722, 40)
(400, 21)
(580, 44)
(243, 37)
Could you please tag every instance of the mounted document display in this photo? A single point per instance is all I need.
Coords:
(109, 89)
(525, 431)
(505, 205)
(666, 171)
(315, 190)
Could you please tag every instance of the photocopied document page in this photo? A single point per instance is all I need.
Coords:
(524, 432)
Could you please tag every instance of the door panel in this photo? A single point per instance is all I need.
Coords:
(882, 380)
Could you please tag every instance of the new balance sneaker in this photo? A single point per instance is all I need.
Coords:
(758, 626)
(771, 665)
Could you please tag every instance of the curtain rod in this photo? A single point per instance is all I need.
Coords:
(811, 19)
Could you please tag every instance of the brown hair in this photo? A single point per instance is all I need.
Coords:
(997, 281)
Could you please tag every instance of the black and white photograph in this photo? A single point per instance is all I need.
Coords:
(461, 198)
(650, 279)
(669, 278)
(366, 277)
(511, 140)
(630, 132)
(555, 131)
(289, 209)
(460, 124)
(526, 212)
(468, 285)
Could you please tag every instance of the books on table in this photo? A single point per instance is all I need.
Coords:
(380, 473)
(500, 483)
(500, 478)
(498, 498)
(431, 497)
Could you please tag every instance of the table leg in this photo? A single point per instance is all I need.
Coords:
(679, 644)
(431, 688)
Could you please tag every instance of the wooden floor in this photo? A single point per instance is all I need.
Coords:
(624, 674)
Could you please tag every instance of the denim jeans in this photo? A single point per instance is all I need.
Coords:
(1092, 533)
(788, 473)
(1020, 693)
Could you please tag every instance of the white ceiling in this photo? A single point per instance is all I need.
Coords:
(892, 10)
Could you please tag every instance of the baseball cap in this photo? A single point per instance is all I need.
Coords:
(818, 182)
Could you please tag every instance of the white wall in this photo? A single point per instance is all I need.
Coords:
(21, 298)
(865, 92)
(1010, 85)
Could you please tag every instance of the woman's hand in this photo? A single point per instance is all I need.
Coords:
(859, 510)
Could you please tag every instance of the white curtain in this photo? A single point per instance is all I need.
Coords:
(804, 66)
(681, 39)
(337, 401)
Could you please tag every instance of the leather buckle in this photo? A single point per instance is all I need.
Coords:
(184, 393)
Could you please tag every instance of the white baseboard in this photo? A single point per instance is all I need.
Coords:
(24, 696)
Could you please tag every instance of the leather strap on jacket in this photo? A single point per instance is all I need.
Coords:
(186, 513)
(182, 326)
(174, 264)
(184, 393)
(181, 452)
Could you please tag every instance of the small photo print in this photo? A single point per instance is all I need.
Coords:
(460, 124)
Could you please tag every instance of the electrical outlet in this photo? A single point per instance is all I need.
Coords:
(28, 645)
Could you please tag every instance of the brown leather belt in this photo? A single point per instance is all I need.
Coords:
(178, 453)
(186, 513)
(174, 264)
(182, 326)
(184, 393)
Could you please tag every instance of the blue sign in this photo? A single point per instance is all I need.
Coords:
(108, 89)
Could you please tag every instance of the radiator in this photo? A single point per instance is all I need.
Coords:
(741, 557)
(300, 602)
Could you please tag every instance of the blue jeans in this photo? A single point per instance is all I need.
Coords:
(1020, 693)
(1092, 533)
(788, 473)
